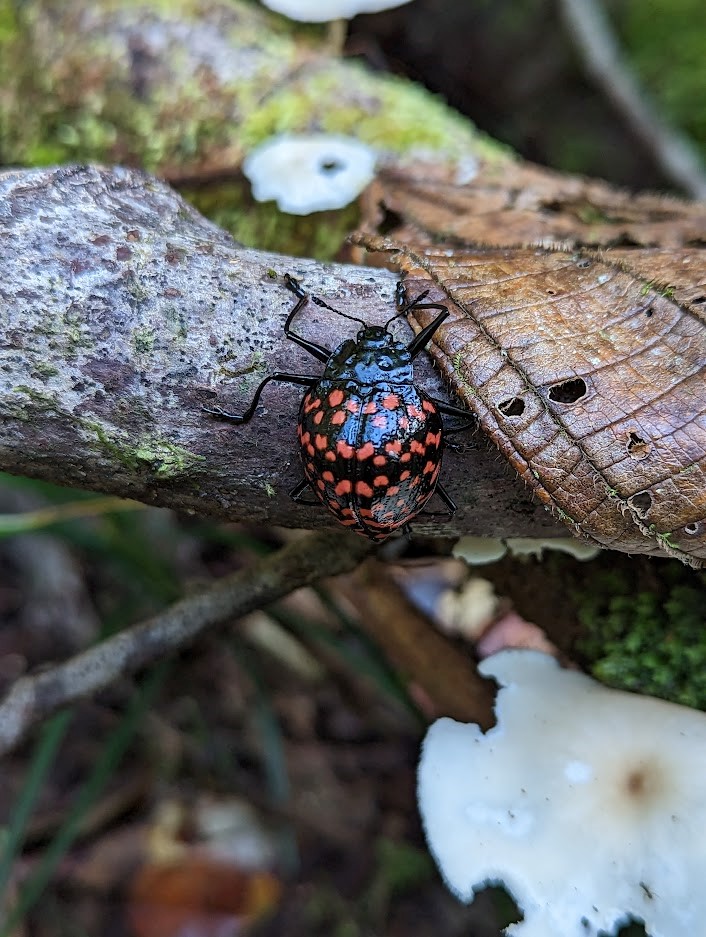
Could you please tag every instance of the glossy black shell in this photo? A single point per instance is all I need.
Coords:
(371, 442)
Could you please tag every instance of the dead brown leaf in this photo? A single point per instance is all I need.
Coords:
(515, 204)
(588, 378)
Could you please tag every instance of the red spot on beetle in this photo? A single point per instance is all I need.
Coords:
(363, 489)
(352, 406)
(310, 449)
(335, 397)
(418, 447)
(403, 423)
(306, 437)
(310, 404)
(379, 460)
(320, 441)
(394, 448)
(327, 476)
(365, 451)
(429, 467)
(414, 412)
(393, 491)
(310, 467)
(391, 402)
(428, 406)
(405, 475)
(433, 439)
(379, 421)
(330, 456)
(344, 450)
(339, 418)
(318, 417)
(381, 481)
(370, 407)
(405, 457)
(344, 487)
(320, 485)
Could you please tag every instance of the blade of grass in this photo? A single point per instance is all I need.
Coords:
(352, 648)
(272, 747)
(26, 521)
(270, 731)
(108, 760)
(45, 751)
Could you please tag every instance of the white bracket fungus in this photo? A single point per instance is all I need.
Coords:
(304, 174)
(322, 11)
(588, 804)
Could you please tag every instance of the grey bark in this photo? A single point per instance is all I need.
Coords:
(124, 312)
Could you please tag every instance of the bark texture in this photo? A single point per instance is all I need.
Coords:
(124, 312)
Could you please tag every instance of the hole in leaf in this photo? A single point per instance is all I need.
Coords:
(649, 311)
(513, 407)
(568, 391)
(641, 503)
(692, 529)
(637, 447)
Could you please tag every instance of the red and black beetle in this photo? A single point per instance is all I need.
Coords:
(370, 440)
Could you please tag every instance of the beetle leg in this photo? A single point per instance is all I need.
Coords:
(305, 379)
(318, 351)
(421, 340)
(450, 410)
(469, 424)
(296, 494)
(448, 501)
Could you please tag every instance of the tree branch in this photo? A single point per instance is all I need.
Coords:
(593, 37)
(34, 698)
(124, 312)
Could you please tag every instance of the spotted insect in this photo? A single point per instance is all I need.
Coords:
(370, 440)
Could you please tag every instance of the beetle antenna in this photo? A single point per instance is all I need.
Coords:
(320, 302)
(407, 306)
(295, 286)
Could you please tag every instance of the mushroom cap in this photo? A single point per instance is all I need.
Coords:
(321, 11)
(587, 803)
(304, 174)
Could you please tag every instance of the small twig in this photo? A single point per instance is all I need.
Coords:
(34, 698)
(595, 42)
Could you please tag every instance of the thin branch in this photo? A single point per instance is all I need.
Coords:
(603, 59)
(312, 557)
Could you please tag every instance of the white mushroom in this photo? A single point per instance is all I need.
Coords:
(477, 551)
(588, 804)
(531, 546)
(322, 11)
(304, 174)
